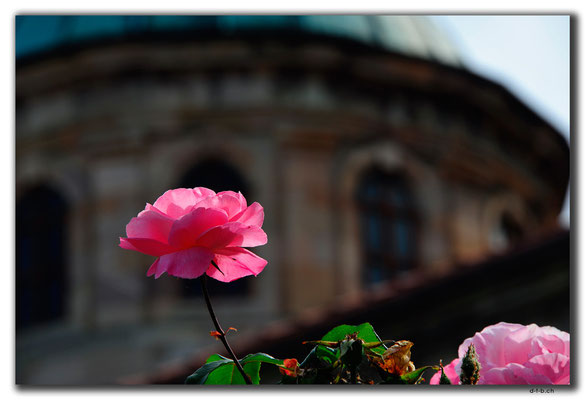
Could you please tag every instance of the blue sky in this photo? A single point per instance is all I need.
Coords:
(530, 55)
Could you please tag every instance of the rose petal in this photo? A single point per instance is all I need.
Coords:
(154, 270)
(150, 225)
(490, 344)
(253, 215)
(232, 234)
(545, 369)
(252, 236)
(150, 207)
(552, 331)
(146, 246)
(449, 371)
(185, 228)
(188, 228)
(519, 354)
(548, 344)
(201, 193)
(552, 366)
(176, 203)
(227, 201)
(189, 263)
(235, 264)
(243, 202)
(239, 196)
(511, 374)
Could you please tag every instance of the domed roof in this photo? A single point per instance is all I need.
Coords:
(411, 35)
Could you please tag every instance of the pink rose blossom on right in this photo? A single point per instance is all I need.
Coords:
(514, 354)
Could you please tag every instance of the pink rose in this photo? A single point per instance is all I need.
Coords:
(513, 354)
(187, 229)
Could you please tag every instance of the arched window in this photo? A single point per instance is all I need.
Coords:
(513, 231)
(388, 225)
(216, 175)
(507, 232)
(41, 242)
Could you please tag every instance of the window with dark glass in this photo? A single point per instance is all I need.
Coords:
(507, 232)
(218, 176)
(41, 282)
(387, 225)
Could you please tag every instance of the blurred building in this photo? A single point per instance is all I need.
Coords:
(380, 160)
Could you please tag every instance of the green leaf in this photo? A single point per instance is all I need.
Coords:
(414, 377)
(219, 370)
(262, 357)
(252, 369)
(216, 357)
(365, 332)
(200, 376)
(326, 354)
(226, 374)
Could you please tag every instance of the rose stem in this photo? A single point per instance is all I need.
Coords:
(221, 332)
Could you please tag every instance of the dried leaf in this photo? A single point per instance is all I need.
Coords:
(396, 359)
(217, 334)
